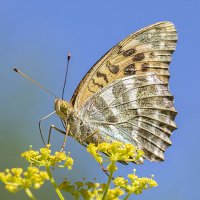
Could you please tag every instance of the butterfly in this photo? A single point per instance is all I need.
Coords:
(125, 95)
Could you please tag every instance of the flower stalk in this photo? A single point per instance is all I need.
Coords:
(29, 194)
(109, 181)
(54, 184)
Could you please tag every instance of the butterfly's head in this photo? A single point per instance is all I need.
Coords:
(63, 108)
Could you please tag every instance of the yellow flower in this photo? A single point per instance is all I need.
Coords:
(152, 183)
(69, 162)
(45, 150)
(116, 151)
(44, 158)
(15, 179)
(120, 181)
(132, 177)
(114, 193)
(136, 185)
(17, 171)
(29, 155)
(93, 150)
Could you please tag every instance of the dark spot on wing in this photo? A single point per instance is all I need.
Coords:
(100, 103)
(95, 83)
(119, 49)
(144, 67)
(89, 90)
(99, 74)
(161, 125)
(138, 57)
(129, 52)
(118, 89)
(112, 119)
(151, 55)
(135, 112)
(113, 68)
(130, 69)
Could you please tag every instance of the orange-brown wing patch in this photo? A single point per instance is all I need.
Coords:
(148, 50)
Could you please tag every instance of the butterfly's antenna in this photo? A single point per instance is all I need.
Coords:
(35, 82)
(68, 58)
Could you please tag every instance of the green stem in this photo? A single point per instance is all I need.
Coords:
(29, 194)
(54, 184)
(109, 181)
(127, 196)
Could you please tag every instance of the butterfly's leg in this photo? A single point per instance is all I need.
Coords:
(40, 125)
(104, 169)
(57, 129)
(82, 141)
(85, 139)
(65, 133)
(101, 165)
(65, 138)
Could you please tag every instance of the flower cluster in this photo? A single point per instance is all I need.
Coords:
(44, 158)
(115, 151)
(15, 179)
(135, 184)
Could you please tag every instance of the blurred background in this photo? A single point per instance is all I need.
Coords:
(36, 36)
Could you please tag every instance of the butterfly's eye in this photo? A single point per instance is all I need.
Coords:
(62, 108)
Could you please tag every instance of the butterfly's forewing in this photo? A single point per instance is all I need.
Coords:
(148, 50)
(137, 109)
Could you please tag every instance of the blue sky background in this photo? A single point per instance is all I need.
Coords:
(36, 36)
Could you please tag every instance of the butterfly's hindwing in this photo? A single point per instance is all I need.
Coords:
(137, 109)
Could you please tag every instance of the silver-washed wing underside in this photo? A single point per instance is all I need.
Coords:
(137, 109)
